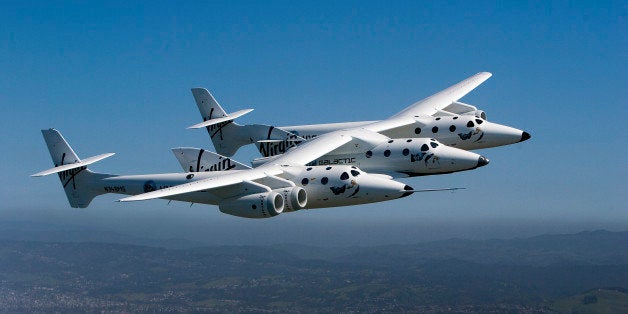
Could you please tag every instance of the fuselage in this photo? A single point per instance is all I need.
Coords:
(466, 132)
(408, 156)
(377, 153)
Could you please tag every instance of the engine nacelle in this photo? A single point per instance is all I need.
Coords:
(260, 205)
(295, 198)
(479, 114)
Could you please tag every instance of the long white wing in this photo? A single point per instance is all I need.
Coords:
(444, 98)
(323, 144)
(229, 178)
(299, 155)
(313, 148)
(391, 123)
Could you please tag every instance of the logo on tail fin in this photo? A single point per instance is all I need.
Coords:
(215, 128)
(222, 164)
(68, 176)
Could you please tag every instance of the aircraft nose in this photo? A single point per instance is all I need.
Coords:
(407, 188)
(482, 161)
(525, 136)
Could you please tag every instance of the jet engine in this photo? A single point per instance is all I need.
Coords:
(295, 198)
(478, 113)
(260, 205)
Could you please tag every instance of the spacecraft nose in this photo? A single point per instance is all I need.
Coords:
(482, 161)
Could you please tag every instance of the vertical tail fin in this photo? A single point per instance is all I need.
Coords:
(207, 104)
(60, 152)
(228, 136)
(76, 179)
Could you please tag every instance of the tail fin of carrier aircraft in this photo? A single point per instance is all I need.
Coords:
(200, 160)
(75, 178)
(228, 136)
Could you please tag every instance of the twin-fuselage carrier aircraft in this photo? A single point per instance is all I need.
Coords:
(302, 167)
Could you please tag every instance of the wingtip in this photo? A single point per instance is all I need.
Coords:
(195, 126)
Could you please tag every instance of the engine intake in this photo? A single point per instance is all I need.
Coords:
(295, 198)
(260, 205)
(480, 114)
(477, 113)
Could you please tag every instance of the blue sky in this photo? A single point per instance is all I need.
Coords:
(115, 77)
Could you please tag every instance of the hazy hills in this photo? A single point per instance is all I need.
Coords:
(516, 274)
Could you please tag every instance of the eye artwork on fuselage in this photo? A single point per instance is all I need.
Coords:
(346, 187)
(466, 136)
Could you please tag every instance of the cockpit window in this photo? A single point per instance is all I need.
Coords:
(424, 148)
(433, 144)
(478, 121)
(344, 176)
(470, 124)
(355, 173)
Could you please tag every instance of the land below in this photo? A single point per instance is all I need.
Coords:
(582, 272)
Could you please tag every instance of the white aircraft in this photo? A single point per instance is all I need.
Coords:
(266, 191)
(283, 182)
(441, 117)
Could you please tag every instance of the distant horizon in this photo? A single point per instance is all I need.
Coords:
(319, 231)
